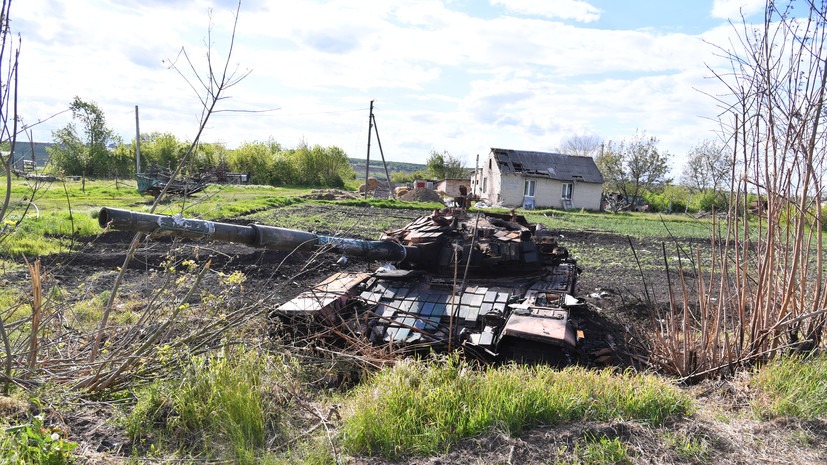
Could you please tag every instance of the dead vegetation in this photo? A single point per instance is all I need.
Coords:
(764, 292)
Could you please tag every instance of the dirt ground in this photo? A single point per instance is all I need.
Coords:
(617, 292)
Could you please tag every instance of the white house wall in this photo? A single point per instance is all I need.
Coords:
(491, 181)
(587, 195)
(548, 192)
(511, 189)
(508, 189)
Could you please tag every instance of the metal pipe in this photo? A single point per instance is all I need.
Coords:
(256, 235)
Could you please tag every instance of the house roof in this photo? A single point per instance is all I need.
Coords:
(552, 165)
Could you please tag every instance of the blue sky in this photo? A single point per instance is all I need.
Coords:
(455, 75)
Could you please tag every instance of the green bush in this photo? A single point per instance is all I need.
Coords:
(707, 200)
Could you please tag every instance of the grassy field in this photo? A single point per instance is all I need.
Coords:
(47, 212)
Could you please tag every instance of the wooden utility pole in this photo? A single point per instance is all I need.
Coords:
(137, 143)
(367, 162)
(477, 176)
(382, 152)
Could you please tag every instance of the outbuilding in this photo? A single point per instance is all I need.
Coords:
(451, 186)
(520, 178)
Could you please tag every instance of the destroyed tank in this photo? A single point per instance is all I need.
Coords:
(491, 284)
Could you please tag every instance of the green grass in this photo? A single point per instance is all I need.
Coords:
(423, 407)
(348, 220)
(389, 203)
(216, 407)
(50, 215)
(594, 450)
(792, 387)
(692, 447)
(631, 224)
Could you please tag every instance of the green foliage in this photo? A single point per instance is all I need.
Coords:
(163, 150)
(422, 408)
(32, 443)
(211, 156)
(445, 166)
(377, 168)
(792, 387)
(268, 163)
(404, 177)
(318, 166)
(123, 161)
(85, 151)
(707, 200)
(632, 167)
(216, 407)
(261, 160)
(677, 195)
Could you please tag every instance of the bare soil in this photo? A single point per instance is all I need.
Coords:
(619, 293)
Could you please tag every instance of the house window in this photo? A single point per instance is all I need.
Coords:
(484, 185)
(489, 163)
(566, 190)
(529, 188)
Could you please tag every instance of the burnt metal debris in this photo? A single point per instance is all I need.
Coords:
(153, 183)
(490, 283)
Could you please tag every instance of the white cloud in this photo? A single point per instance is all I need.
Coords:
(442, 78)
(577, 10)
(733, 9)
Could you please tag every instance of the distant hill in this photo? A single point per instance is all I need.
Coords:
(378, 171)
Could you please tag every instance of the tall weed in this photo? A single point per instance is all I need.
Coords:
(216, 407)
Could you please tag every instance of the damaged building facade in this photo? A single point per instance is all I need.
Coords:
(525, 179)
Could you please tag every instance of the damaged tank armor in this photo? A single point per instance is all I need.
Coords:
(491, 283)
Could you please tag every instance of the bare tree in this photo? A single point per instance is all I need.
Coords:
(210, 89)
(582, 145)
(9, 53)
(707, 169)
(8, 136)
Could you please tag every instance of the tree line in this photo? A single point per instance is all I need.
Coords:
(87, 147)
(637, 170)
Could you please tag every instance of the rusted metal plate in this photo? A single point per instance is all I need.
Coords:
(326, 298)
(546, 326)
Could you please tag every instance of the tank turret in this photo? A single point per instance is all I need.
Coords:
(492, 283)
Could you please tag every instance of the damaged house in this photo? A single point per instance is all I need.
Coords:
(518, 178)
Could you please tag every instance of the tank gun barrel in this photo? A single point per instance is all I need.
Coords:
(254, 235)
